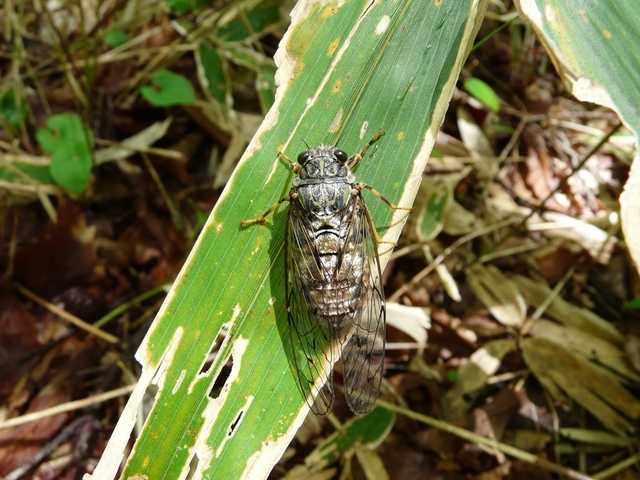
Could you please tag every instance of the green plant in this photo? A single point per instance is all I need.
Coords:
(70, 143)
(344, 72)
(168, 89)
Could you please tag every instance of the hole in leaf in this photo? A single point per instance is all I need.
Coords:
(193, 467)
(222, 378)
(223, 333)
(234, 424)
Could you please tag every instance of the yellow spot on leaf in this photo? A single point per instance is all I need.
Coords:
(400, 135)
(297, 69)
(330, 11)
(607, 34)
(583, 14)
(336, 86)
(437, 3)
(333, 46)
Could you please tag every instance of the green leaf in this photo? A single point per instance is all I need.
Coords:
(591, 47)
(483, 92)
(180, 6)
(115, 38)
(438, 197)
(346, 70)
(368, 431)
(265, 14)
(168, 89)
(24, 175)
(39, 174)
(13, 111)
(633, 304)
(594, 48)
(213, 74)
(70, 143)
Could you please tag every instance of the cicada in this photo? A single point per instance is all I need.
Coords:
(334, 297)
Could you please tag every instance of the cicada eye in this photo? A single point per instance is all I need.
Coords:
(341, 155)
(303, 158)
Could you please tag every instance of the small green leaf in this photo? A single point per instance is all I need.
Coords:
(483, 92)
(26, 174)
(69, 142)
(180, 6)
(13, 112)
(633, 304)
(439, 197)
(265, 14)
(168, 89)
(501, 128)
(40, 174)
(115, 38)
(217, 83)
(363, 431)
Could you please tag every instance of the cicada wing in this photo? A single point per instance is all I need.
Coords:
(311, 341)
(363, 355)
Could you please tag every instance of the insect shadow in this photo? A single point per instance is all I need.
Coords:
(278, 258)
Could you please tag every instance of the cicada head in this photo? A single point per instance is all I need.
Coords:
(323, 164)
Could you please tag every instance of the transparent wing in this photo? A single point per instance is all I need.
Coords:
(358, 334)
(363, 355)
(312, 349)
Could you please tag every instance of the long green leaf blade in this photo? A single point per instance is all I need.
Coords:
(345, 71)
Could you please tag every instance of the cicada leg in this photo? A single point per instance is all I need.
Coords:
(262, 219)
(362, 186)
(357, 157)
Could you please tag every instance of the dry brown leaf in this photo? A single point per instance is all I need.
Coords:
(632, 351)
(530, 440)
(20, 443)
(498, 473)
(129, 146)
(586, 344)
(498, 294)
(558, 369)
(596, 437)
(597, 242)
(371, 464)
(460, 221)
(301, 472)
(483, 363)
(478, 144)
(535, 293)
